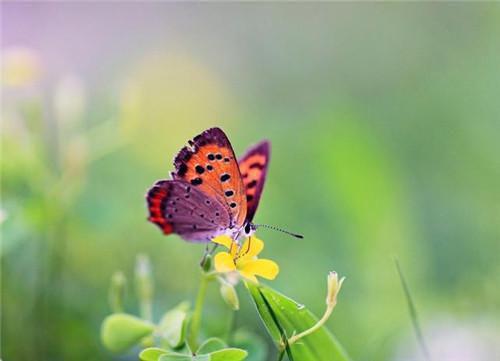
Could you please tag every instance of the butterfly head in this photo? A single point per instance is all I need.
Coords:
(249, 229)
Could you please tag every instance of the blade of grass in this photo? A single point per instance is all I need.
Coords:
(283, 335)
(413, 313)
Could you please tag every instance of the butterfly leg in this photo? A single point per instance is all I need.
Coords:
(208, 252)
(214, 248)
(204, 258)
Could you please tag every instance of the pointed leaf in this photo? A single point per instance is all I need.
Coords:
(176, 357)
(121, 331)
(210, 345)
(152, 354)
(228, 354)
(288, 317)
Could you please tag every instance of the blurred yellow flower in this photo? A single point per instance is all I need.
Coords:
(243, 259)
(20, 66)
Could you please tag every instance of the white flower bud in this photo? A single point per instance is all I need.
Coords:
(334, 286)
(69, 100)
(229, 295)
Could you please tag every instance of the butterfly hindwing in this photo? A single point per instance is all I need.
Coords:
(178, 207)
(253, 168)
(209, 165)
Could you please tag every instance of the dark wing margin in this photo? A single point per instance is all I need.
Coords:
(177, 207)
(253, 168)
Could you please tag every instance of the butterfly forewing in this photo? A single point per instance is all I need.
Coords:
(253, 168)
(177, 207)
(209, 165)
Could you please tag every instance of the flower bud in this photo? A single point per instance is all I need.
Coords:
(3, 215)
(20, 66)
(69, 100)
(334, 286)
(207, 263)
(117, 291)
(229, 295)
(144, 285)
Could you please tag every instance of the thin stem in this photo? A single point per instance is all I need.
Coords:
(413, 313)
(281, 355)
(314, 328)
(230, 327)
(198, 309)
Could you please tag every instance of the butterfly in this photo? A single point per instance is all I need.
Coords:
(211, 193)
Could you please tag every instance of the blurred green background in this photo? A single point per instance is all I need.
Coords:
(385, 124)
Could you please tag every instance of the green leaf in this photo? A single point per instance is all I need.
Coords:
(176, 357)
(152, 354)
(210, 345)
(201, 358)
(121, 331)
(253, 343)
(228, 354)
(173, 325)
(283, 316)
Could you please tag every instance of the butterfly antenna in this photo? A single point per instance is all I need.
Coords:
(296, 235)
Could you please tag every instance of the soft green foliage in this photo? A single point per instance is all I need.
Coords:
(252, 343)
(121, 331)
(284, 317)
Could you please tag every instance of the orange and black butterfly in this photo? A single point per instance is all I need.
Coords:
(211, 193)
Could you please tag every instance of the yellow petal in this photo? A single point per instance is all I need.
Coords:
(251, 248)
(225, 241)
(224, 262)
(249, 277)
(260, 267)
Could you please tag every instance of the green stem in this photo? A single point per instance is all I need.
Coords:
(314, 328)
(413, 313)
(198, 309)
(230, 327)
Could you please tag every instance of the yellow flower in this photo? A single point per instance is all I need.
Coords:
(243, 259)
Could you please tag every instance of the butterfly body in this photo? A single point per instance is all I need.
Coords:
(211, 193)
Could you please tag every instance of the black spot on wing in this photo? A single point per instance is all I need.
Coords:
(252, 184)
(196, 181)
(182, 169)
(256, 165)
